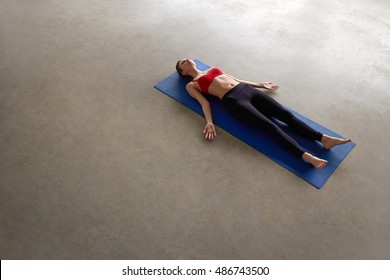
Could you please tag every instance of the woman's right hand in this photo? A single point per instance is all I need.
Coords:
(209, 131)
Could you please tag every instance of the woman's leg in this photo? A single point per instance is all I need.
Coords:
(239, 104)
(241, 107)
(266, 104)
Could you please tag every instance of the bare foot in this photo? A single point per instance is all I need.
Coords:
(315, 161)
(329, 142)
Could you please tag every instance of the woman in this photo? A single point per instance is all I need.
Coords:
(252, 106)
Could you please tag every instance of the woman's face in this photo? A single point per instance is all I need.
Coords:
(185, 65)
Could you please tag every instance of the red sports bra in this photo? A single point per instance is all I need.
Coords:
(205, 80)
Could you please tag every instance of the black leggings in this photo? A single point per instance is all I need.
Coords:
(254, 107)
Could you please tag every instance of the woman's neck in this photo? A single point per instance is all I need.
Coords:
(195, 73)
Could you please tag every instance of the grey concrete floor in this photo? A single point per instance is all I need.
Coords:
(97, 164)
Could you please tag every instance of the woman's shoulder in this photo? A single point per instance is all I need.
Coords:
(193, 85)
(211, 70)
(216, 69)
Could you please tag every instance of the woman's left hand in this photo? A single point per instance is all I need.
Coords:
(270, 86)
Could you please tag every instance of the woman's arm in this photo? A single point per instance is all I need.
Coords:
(266, 85)
(209, 129)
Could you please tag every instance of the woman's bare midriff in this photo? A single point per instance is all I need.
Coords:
(221, 85)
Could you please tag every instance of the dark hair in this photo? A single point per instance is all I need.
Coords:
(188, 77)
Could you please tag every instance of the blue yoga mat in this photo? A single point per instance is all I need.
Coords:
(174, 86)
